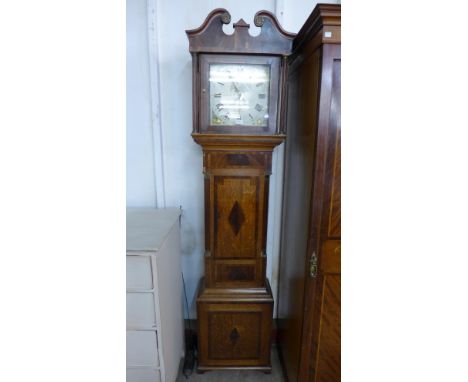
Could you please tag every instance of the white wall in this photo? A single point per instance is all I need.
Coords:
(160, 150)
(140, 163)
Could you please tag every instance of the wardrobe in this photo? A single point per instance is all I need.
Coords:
(310, 261)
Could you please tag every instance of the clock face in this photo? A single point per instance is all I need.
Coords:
(239, 94)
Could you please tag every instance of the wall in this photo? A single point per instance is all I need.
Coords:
(164, 165)
(140, 154)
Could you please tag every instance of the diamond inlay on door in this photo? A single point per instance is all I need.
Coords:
(234, 336)
(236, 202)
(236, 218)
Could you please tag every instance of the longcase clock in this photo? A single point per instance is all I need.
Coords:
(238, 113)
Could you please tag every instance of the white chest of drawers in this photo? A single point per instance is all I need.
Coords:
(154, 295)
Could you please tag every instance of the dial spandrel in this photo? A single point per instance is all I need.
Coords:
(239, 94)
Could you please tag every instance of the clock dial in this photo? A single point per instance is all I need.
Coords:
(239, 94)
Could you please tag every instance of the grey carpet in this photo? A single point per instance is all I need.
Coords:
(238, 375)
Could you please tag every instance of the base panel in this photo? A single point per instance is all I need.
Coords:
(234, 329)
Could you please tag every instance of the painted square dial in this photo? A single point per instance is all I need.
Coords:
(239, 94)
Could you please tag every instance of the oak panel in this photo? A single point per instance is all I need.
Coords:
(240, 160)
(237, 335)
(234, 334)
(236, 214)
(236, 273)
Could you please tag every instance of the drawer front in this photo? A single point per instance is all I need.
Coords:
(235, 334)
(143, 375)
(140, 310)
(142, 348)
(139, 275)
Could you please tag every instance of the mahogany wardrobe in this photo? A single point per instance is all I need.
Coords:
(310, 265)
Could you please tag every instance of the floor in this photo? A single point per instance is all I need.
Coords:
(238, 375)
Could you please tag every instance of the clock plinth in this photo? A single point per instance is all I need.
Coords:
(238, 98)
(234, 328)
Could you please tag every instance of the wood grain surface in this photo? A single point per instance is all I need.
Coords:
(235, 302)
(309, 302)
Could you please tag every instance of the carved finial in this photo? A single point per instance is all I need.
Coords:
(226, 17)
(241, 23)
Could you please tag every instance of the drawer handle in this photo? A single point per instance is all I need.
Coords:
(234, 336)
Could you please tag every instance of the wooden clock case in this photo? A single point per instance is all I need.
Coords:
(234, 301)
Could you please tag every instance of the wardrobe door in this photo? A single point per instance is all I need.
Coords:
(309, 286)
(304, 83)
(324, 357)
